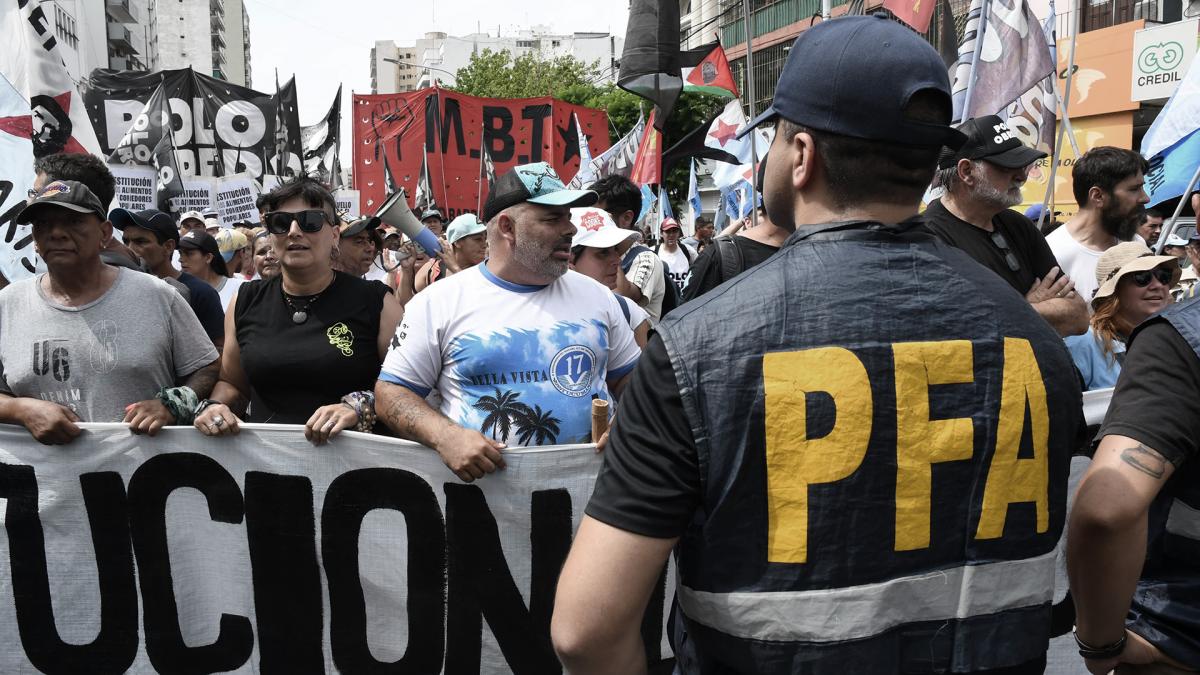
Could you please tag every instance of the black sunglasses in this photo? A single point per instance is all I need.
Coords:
(311, 220)
(1009, 259)
(1142, 279)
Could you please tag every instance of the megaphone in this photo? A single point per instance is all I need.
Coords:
(395, 212)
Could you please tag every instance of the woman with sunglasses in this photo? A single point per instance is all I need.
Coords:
(1133, 285)
(306, 346)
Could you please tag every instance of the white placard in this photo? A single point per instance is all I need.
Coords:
(347, 203)
(136, 186)
(235, 200)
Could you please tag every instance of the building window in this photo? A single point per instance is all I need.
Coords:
(527, 44)
(64, 26)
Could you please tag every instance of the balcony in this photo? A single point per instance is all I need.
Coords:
(125, 63)
(119, 11)
(218, 40)
(217, 21)
(1097, 14)
(120, 38)
(766, 16)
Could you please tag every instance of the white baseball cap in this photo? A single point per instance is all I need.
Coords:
(595, 228)
(192, 215)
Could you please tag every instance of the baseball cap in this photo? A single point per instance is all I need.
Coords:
(192, 215)
(990, 138)
(596, 228)
(464, 226)
(1125, 258)
(230, 241)
(65, 194)
(431, 213)
(353, 227)
(1175, 240)
(202, 241)
(854, 75)
(211, 222)
(1035, 212)
(669, 223)
(535, 183)
(151, 219)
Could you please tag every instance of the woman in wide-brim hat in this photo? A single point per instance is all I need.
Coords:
(1134, 284)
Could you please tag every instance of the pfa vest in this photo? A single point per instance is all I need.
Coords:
(883, 428)
(1166, 605)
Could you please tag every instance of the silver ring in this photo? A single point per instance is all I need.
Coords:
(219, 422)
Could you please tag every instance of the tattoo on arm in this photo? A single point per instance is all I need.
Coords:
(202, 381)
(1145, 460)
(410, 416)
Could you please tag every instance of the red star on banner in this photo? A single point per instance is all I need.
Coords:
(22, 125)
(724, 132)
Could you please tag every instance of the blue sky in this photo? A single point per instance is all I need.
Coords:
(327, 43)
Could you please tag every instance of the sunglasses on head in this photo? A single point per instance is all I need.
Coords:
(1142, 279)
(311, 220)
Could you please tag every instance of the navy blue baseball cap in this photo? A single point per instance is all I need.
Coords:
(853, 76)
(151, 219)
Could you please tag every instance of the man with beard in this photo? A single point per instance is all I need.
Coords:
(516, 347)
(1109, 188)
(982, 180)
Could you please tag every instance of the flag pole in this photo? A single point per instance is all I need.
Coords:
(1173, 225)
(1063, 126)
(482, 149)
(980, 29)
(753, 113)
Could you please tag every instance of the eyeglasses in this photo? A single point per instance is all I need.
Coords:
(1142, 279)
(311, 220)
(1009, 259)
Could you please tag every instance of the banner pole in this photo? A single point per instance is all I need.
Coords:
(1063, 103)
(482, 143)
(753, 113)
(1173, 225)
(981, 28)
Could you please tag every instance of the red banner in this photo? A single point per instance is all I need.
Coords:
(393, 131)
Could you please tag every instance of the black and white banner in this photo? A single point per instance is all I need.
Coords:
(263, 554)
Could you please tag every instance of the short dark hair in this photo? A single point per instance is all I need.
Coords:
(862, 171)
(702, 221)
(311, 191)
(1152, 213)
(619, 194)
(84, 168)
(261, 201)
(1104, 167)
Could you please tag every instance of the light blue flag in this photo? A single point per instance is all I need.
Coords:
(648, 200)
(1171, 169)
(1172, 144)
(694, 207)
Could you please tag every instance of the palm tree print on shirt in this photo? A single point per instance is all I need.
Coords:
(542, 427)
(503, 411)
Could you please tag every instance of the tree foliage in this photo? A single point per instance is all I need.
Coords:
(500, 75)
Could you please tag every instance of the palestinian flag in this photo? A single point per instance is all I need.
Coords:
(707, 70)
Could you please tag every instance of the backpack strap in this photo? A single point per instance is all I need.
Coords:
(732, 263)
(624, 305)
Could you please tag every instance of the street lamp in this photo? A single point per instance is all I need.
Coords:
(419, 65)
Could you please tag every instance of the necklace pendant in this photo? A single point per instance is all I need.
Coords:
(299, 317)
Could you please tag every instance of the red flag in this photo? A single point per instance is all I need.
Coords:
(711, 74)
(647, 167)
(915, 13)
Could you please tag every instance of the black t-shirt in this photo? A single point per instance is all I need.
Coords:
(1029, 247)
(1157, 399)
(296, 368)
(651, 430)
(708, 271)
(206, 303)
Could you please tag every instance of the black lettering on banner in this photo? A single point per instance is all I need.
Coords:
(497, 131)
(149, 488)
(535, 114)
(288, 605)
(438, 125)
(116, 645)
(481, 586)
(550, 541)
(347, 501)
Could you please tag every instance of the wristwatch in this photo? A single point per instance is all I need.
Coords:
(1103, 653)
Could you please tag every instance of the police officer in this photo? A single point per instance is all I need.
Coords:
(1133, 549)
(859, 471)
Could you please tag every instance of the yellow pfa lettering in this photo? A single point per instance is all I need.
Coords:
(920, 441)
(1010, 479)
(794, 461)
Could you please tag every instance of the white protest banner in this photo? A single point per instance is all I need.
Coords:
(136, 186)
(199, 194)
(18, 260)
(236, 195)
(260, 553)
(347, 202)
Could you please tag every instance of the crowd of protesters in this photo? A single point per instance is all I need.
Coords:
(549, 298)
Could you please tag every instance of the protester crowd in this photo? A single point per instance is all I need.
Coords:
(840, 285)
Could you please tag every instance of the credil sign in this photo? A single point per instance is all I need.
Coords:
(1161, 58)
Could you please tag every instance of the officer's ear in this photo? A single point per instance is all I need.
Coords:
(805, 158)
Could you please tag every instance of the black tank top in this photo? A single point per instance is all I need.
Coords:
(296, 368)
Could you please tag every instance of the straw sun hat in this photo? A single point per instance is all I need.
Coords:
(1126, 258)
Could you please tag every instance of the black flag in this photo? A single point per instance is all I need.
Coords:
(650, 63)
(321, 143)
(693, 145)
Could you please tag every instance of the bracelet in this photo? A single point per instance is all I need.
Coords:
(180, 402)
(363, 405)
(201, 406)
(1104, 653)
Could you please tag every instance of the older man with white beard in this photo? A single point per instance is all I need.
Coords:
(980, 182)
(515, 347)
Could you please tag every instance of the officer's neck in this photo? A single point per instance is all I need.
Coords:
(821, 209)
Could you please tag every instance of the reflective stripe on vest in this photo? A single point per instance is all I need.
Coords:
(863, 611)
(1183, 521)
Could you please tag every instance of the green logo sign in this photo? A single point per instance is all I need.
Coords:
(1160, 57)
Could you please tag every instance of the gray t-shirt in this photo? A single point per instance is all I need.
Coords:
(97, 359)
